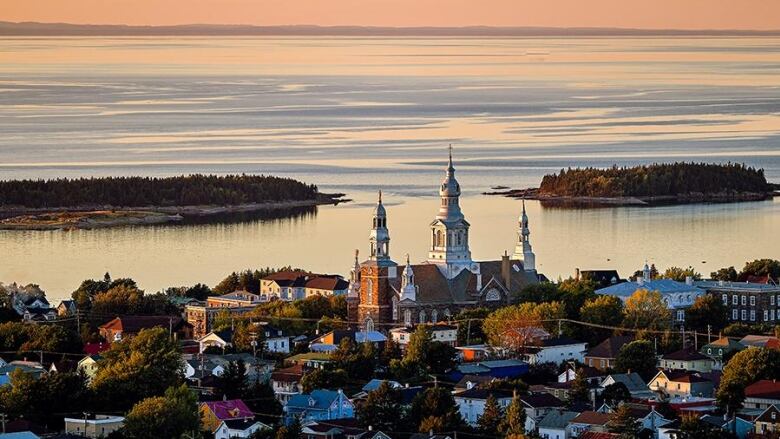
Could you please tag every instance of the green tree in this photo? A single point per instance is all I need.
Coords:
(728, 274)
(681, 274)
(575, 293)
(382, 410)
(291, 431)
(692, 427)
(489, 422)
(435, 409)
(470, 328)
(603, 310)
(707, 310)
(441, 357)
(324, 379)
(514, 419)
(539, 293)
(646, 310)
(744, 368)
(579, 391)
(637, 356)
(171, 415)
(624, 423)
(615, 393)
(417, 349)
(232, 384)
(761, 267)
(138, 368)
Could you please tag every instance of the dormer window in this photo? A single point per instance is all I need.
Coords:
(312, 402)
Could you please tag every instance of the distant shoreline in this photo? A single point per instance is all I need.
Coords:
(98, 217)
(664, 200)
(65, 29)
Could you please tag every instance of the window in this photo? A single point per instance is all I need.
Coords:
(734, 300)
(434, 316)
(744, 314)
(752, 300)
(734, 314)
(370, 290)
(752, 315)
(680, 315)
(709, 351)
(395, 308)
(744, 300)
(772, 314)
(766, 315)
(369, 324)
(407, 317)
(725, 299)
(771, 300)
(422, 316)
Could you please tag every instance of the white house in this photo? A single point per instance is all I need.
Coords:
(553, 424)
(275, 339)
(219, 339)
(471, 402)
(96, 426)
(447, 334)
(557, 350)
(238, 428)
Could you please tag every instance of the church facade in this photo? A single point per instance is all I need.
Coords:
(383, 294)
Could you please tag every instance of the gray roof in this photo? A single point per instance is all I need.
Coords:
(737, 286)
(632, 381)
(663, 286)
(557, 419)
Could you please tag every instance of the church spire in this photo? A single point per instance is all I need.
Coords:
(408, 289)
(379, 238)
(523, 249)
(354, 277)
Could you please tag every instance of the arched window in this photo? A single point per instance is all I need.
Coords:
(369, 324)
(434, 316)
(447, 313)
(407, 317)
(395, 308)
(492, 295)
(422, 316)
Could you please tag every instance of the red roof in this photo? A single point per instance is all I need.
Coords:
(591, 418)
(598, 435)
(134, 324)
(96, 348)
(767, 389)
(230, 409)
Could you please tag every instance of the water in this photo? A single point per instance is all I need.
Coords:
(357, 114)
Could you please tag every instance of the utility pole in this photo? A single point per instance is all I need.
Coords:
(86, 415)
(468, 334)
(3, 420)
(709, 334)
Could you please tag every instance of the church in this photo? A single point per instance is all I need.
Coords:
(383, 294)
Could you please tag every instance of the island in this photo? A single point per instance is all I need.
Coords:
(649, 185)
(87, 203)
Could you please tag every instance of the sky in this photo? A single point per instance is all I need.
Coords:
(677, 14)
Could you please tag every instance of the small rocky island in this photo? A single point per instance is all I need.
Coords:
(657, 184)
(88, 203)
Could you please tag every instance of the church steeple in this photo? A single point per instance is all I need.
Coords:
(523, 248)
(408, 289)
(449, 231)
(354, 277)
(379, 239)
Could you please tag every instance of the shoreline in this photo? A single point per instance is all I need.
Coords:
(649, 201)
(96, 217)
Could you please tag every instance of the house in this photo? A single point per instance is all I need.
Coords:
(633, 382)
(743, 427)
(469, 381)
(602, 278)
(319, 405)
(201, 367)
(129, 326)
(678, 296)
(39, 314)
(33, 369)
(719, 349)
(238, 428)
(63, 366)
(447, 334)
(66, 308)
(681, 383)
(311, 360)
(768, 422)
(202, 317)
(216, 339)
(330, 342)
(588, 421)
(555, 423)
(286, 382)
(213, 413)
(491, 368)
(602, 356)
(536, 406)
(89, 366)
(476, 352)
(256, 368)
(95, 426)
(556, 350)
(95, 348)
(760, 341)
(687, 359)
(644, 413)
(762, 394)
(33, 307)
(471, 402)
(276, 340)
(593, 375)
(339, 428)
(293, 285)
(236, 299)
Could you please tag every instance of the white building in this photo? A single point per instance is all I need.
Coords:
(238, 428)
(97, 426)
(446, 334)
(471, 402)
(556, 350)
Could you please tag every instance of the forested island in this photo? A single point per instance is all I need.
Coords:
(666, 183)
(115, 201)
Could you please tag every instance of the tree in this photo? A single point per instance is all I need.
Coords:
(575, 293)
(514, 420)
(692, 427)
(744, 368)
(707, 310)
(539, 293)
(579, 391)
(490, 420)
(137, 368)
(417, 349)
(434, 409)
(291, 431)
(382, 410)
(615, 393)
(516, 327)
(725, 274)
(681, 274)
(470, 329)
(637, 356)
(646, 310)
(169, 416)
(232, 383)
(761, 267)
(624, 423)
(324, 379)
(603, 310)
(441, 357)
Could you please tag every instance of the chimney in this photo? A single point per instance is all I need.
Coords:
(505, 269)
(689, 280)
(576, 274)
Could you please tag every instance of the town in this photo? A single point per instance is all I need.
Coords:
(449, 347)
